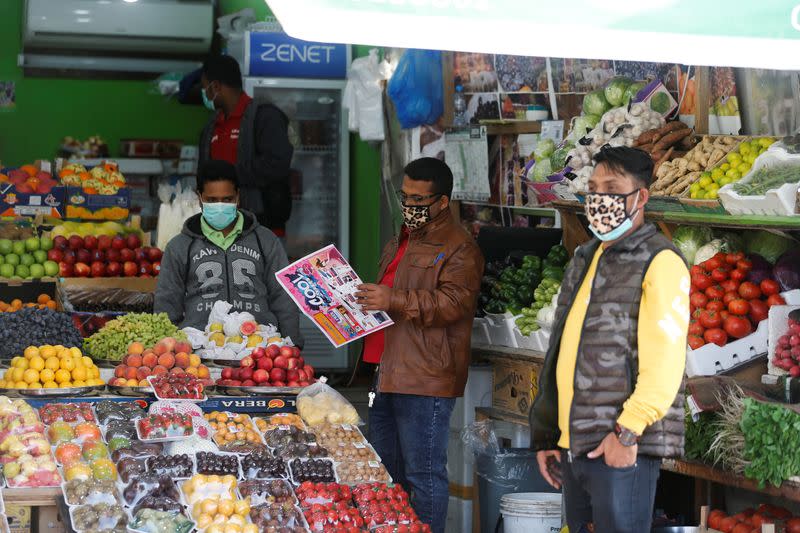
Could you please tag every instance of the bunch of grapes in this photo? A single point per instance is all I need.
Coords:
(31, 326)
(112, 341)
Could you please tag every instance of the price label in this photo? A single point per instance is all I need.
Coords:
(359, 445)
(374, 464)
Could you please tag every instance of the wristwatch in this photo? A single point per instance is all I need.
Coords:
(626, 436)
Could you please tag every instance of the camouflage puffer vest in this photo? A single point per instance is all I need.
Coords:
(607, 365)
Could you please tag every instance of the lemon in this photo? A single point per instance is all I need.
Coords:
(16, 374)
(68, 364)
(23, 364)
(725, 167)
(31, 351)
(37, 363)
(745, 148)
(712, 195)
(705, 181)
(62, 376)
(20, 385)
(75, 351)
(30, 376)
(52, 363)
(47, 351)
(87, 361)
(50, 385)
(64, 353)
(79, 374)
(35, 385)
(94, 373)
(743, 168)
(2, 384)
(46, 375)
(15, 361)
(734, 158)
(78, 383)
(766, 141)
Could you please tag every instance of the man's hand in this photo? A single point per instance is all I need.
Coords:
(546, 458)
(615, 454)
(374, 297)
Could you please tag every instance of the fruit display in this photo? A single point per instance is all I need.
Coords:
(217, 464)
(332, 435)
(724, 305)
(752, 519)
(278, 517)
(270, 366)
(362, 472)
(232, 430)
(32, 471)
(153, 521)
(283, 435)
(325, 405)
(28, 259)
(151, 485)
(309, 493)
(131, 467)
(231, 334)
(107, 411)
(67, 453)
(91, 492)
(164, 426)
(353, 452)
(381, 504)
(174, 466)
(314, 470)
(177, 386)
(279, 419)
(51, 367)
(117, 443)
(297, 450)
(43, 301)
(69, 228)
(673, 178)
(201, 486)
(97, 518)
(29, 179)
(105, 179)
(541, 313)
(167, 356)
(113, 340)
(104, 256)
(413, 527)
(261, 465)
(66, 412)
(333, 518)
(137, 450)
(735, 166)
(274, 491)
(36, 327)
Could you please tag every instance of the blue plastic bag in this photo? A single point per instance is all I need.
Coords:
(416, 88)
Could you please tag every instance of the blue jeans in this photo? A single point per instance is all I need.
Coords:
(410, 434)
(616, 500)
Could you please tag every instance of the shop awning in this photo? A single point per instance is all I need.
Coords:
(752, 33)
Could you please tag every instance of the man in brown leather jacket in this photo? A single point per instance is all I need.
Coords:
(430, 278)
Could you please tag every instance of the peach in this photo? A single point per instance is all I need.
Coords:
(202, 372)
(170, 343)
(194, 360)
(158, 370)
(147, 351)
(135, 348)
(134, 360)
(183, 346)
(131, 373)
(142, 372)
(193, 371)
(132, 383)
(166, 360)
(160, 348)
(177, 370)
(120, 382)
(144, 383)
(119, 372)
(182, 359)
(150, 360)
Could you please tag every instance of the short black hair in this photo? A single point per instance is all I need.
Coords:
(216, 170)
(223, 69)
(432, 170)
(631, 161)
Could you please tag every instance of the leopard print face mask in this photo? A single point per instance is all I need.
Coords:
(608, 214)
(416, 216)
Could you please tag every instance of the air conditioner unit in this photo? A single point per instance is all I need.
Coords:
(129, 28)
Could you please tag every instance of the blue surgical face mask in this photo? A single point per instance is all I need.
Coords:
(608, 214)
(206, 102)
(219, 215)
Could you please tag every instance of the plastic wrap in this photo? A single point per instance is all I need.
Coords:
(68, 412)
(93, 518)
(79, 433)
(274, 491)
(120, 428)
(509, 468)
(153, 521)
(131, 467)
(363, 96)
(150, 484)
(362, 472)
(91, 492)
(200, 487)
(284, 435)
(319, 404)
(29, 471)
(67, 453)
(280, 419)
(299, 450)
(309, 494)
(332, 435)
(173, 466)
(314, 470)
(261, 465)
(285, 517)
(137, 450)
(108, 410)
(234, 432)
(32, 443)
(177, 204)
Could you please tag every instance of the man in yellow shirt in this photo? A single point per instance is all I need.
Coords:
(610, 401)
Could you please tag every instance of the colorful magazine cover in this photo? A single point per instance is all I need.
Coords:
(323, 285)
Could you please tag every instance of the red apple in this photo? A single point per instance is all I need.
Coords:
(126, 254)
(82, 270)
(248, 383)
(260, 376)
(103, 242)
(301, 374)
(277, 374)
(114, 269)
(236, 383)
(227, 373)
(292, 375)
(300, 362)
(98, 269)
(90, 242)
(140, 255)
(304, 383)
(265, 363)
(278, 384)
(145, 269)
(60, 242)
(281, 362)
(83, 256)
(258, 353)
(293, 363)
(69, 257)
(296, 351)
(65, 270)
(98, 255)
(153, 254)
(55, 254)
(287, 351)
(113, 255)
(293, 384)
(273, 351)
(246, 373)
(309, 371)
(246, 362)
(75, 243)
(133, 241)
(118, 242)
(130, 269)
(156, 268)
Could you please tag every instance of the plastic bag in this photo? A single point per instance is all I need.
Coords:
(510, 468)
(319, 404)
(363, 96)
(153, 521)
(416, 88)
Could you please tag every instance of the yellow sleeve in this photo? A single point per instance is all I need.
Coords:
(663, 326)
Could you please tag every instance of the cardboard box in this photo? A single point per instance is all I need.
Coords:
(19, 518)
(29, 290)
(131, 284)
(49, 520)
(15, 203)
(514, 385)
(97, 206)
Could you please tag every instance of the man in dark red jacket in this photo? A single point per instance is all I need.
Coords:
(251, 135)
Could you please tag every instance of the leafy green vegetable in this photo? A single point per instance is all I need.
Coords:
(615, 90)
(772, 438)
(767, 178)
(595, 103)
(631, 92)
(767, 244)
(544, 149)
(689, 239)
(699, 435)
(541, 170)
(559, 158)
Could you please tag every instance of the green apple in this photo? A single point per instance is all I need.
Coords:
(5, 246)
(32, 244)
(37, 271)
(26, 259)
(6, 270)
(12, 259)
(18, 247)
(23, 271)
(51, 268)
(40, 256)
(45, 243)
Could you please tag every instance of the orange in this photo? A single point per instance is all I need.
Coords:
(36, 363)
(20, 385)
(17, 373)
(35, 385)
(79, 374)
(62, 376)
(75, 351)
(31, 170)
(31, 351)
(87, 362)
(47, 352)
(78, 383)
(194, 360)
(64, 353)
(68, 364)
(50, 385)
(94, 373)
(47, 375)
(52, 363)
(22, 363)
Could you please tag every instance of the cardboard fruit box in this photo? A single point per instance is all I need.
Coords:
(30, 198)
(29, 290)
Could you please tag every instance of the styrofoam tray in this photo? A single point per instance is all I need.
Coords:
(711, 359)
(780, 201)
(161, 439)
(480, 332)
(501, 330)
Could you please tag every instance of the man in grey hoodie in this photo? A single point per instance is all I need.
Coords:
(224, 254)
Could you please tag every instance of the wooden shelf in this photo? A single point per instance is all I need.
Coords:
(485, 351)
(33, 497)
(512, 127)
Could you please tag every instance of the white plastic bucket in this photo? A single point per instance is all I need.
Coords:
(531, 512)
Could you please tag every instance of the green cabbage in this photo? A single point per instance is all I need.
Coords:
(689, 239)
(767, 244)
(615, 90)
(544, 149)
(631, 92)
(542, 170)
(559, 158)
(582, 125)
(595, 103)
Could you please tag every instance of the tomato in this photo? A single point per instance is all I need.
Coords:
(738, 327)
(716, 336)
(729, 297)
(742, 527)
(715, 305)
(714, 263)
(727, 524)
(698, 299)
(769, 287)
(759, 519)
(738, 275)
(719, 274)
(695, 342)
(715, 517)
(697, 270)
(744, 264)
(749, 291)
(715, 292)
(779, 512)
(702, 281)
(696, 328)
(730, 285)
(739, 307)
(775, 299)
(758, 311)
(710, 319)
(724, 314)
(793, 525)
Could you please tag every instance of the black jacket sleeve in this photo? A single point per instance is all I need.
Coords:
(273, 156)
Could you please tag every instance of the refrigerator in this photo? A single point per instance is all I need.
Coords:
(310, 93)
